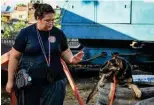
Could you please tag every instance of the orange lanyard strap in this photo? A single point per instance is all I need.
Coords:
(113, 92)
(74, 88)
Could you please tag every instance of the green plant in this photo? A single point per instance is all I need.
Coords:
(4, 19)
(57, 21)
(21, 5)
(11, 30)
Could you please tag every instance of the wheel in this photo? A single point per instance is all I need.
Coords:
(124, 95)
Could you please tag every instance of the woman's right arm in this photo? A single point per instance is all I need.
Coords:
(12, 67)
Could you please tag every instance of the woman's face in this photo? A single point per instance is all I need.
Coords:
(47, 21)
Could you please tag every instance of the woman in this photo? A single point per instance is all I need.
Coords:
(40, 46)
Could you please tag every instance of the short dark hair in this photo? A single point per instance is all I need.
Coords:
(42, 9)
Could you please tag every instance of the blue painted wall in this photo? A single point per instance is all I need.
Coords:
(102, 19)
(118, 20)
(143, 12)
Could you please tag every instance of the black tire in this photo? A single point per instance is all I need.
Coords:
(124, 95)
(149, 101)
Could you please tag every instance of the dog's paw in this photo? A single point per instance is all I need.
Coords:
(138, 93)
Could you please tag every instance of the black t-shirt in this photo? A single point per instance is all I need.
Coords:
(27, 43)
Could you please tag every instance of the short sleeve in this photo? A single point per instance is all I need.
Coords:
(20, 41)
(64, 45)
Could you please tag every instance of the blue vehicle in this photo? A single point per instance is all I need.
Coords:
(103, 27)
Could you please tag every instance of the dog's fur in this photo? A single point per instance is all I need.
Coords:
(121, 69)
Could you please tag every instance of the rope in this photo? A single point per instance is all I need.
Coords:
(113, 92)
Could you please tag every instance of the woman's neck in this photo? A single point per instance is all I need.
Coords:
(39, 27)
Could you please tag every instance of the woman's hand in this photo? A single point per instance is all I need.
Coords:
(69, 58)
(77, 57)
(9, 86)
(12, 67)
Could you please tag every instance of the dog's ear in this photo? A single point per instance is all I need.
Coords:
(115, 54)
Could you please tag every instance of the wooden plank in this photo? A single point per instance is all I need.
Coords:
(5, 58)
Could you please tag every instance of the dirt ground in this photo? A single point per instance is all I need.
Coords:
(84, 86)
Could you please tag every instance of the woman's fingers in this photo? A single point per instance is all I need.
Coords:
(80, 54)
(9, 87)
(78, 57)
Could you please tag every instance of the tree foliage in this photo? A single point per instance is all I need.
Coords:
(57, 20)
(21, 5)
(4, 19)
(11, 30)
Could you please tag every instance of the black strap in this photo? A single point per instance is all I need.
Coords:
(31, 63)
(43, 49)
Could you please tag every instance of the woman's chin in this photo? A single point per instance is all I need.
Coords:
(49, 28)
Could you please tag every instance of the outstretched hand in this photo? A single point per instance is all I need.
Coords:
(78, 57)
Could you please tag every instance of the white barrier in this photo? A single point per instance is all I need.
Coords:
(143, 79)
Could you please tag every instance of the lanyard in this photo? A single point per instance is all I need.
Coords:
(70, 79)
(43, 49)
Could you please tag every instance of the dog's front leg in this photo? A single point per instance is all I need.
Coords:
(111, 90)
(137, 91)
(101, 83)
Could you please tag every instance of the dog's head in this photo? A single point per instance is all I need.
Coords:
(114, 65)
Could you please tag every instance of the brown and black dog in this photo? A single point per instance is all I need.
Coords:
(121, 69)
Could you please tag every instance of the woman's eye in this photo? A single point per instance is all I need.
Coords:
(50, 20)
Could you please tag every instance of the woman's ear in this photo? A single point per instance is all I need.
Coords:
(38, 18)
